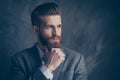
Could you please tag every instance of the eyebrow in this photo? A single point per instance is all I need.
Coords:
(50, 24)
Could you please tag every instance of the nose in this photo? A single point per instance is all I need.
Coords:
(55, 31)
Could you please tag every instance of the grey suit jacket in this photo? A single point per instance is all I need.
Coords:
(25, 66)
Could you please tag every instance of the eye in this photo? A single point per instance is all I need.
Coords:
(59, 26)
(47, 26)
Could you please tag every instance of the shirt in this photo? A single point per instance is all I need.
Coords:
(43, 68)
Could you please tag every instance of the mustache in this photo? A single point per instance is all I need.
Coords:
(52, 37)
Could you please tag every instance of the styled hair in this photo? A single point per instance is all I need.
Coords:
(44, 10)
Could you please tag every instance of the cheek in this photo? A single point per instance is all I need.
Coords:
(47, 32)
(60, 32)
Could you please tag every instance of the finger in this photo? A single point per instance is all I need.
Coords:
(53, 57)
(57, 49)
(52, 53)
(60, 52)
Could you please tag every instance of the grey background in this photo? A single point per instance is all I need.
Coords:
(89, 26)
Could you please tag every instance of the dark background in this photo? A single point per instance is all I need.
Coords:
(89, 26)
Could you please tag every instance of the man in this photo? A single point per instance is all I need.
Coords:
(48, 59)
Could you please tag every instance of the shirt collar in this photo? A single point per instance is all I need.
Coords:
(41, 53)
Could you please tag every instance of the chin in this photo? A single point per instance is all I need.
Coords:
(55, 45)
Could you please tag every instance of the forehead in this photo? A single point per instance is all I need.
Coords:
(51, 19)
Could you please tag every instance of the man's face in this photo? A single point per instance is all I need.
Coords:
(50, 31)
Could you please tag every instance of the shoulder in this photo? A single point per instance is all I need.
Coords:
(22, 57)
(23, 52)
(26, 52)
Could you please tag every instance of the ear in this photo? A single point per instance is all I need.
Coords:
(35, 29)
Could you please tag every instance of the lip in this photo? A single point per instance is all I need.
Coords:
(55, 39)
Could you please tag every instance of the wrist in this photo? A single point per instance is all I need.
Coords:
(49, 67)
(47, 73)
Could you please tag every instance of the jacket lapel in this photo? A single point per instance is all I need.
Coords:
(34, 58)
(60, 69)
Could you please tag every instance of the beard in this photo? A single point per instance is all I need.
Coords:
(48, 41)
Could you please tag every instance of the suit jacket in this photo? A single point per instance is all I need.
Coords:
(26, 63)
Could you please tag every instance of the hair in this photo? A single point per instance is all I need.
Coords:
(44, 10)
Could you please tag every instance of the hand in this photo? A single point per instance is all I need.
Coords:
(54, 59)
